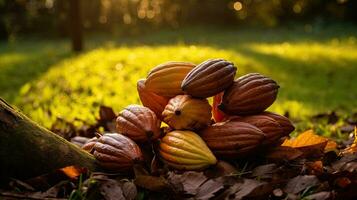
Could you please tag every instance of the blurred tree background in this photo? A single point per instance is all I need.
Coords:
(51, 17)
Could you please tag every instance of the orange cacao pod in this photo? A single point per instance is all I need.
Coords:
(249, 94)
(151, 100)
(185, 112)
(138, 123)
(209, 78)
(232, 139)
(185, 150)
(116, 152)
(165, 79)
(284, 122)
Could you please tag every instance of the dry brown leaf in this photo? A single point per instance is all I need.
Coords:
(300, 183)
(284, 153)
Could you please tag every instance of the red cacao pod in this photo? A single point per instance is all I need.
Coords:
(116, 152)
(138, 123)
(271, 128)
(209, 78)
(249, 94)
(284, 122)
(232, 139)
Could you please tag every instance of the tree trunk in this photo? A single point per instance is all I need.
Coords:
(75, 18)
(27, 149)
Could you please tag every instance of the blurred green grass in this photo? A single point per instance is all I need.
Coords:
(316, 70)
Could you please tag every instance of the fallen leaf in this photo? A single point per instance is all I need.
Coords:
(283, 153)
(129, 190)
(188, 182)
(144, 180)
(315, 167)
(252, 188)
(319, 196)
(222, 168)
(111, 190)
(152, 183)
(72, 171)
(343, 182)
(306, 138)
(208, 189)
(106, 113)
(264, 171)
(300, 183)
(330, 146)
(308, 142)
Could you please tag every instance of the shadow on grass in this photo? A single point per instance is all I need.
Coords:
(24, 62)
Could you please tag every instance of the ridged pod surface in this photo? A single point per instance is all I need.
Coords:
(185, 150)
(249, 94)
(184, 112)
(284, 122)
(116, 152)
(231, 139)
(271, 128)
(209, 78)
(155, 102)
(166, 79)
(138, 123)
(217, 114)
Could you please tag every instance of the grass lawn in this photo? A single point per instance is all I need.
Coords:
(316, 70)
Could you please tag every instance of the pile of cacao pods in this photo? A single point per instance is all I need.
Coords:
(195, 133)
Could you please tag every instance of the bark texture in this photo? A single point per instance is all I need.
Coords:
(27, 149)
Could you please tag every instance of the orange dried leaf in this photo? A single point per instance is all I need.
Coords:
(72, 171)
(307, 138)
(330, 146)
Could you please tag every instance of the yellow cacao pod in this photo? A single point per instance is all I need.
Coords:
(185, 150)
(185, 112)
(165, 79)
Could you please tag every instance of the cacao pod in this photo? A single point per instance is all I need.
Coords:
(249, 94)
(209, 78)
(185, 150)
(271, 128)
(116, 152)
(138, 123)
(165, 79)
(185, 112)
(89, 145)
(232, 139)
(217, 114)
(151, 100)
(284, 122)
